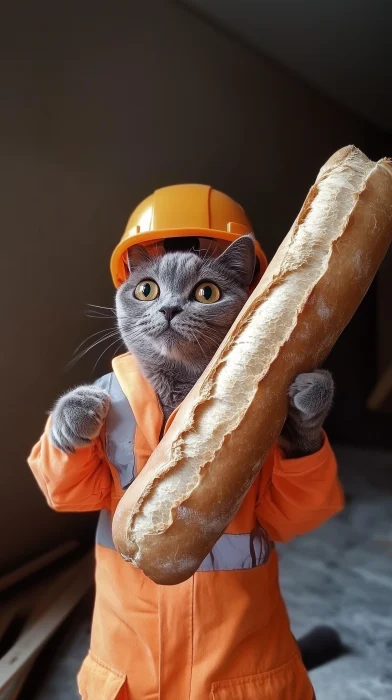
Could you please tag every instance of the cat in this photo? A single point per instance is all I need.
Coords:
(173, 312)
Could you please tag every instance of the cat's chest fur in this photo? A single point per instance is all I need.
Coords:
(171, 384)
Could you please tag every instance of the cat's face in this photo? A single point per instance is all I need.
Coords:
(180, 306)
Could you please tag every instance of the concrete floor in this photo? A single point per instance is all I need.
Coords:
(340, 575)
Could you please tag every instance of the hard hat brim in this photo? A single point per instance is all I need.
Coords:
(119, 270)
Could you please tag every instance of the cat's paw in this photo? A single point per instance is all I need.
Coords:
(311, 395)
(78, 416)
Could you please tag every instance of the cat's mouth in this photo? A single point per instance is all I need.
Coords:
(167, 329)
(170, 334)
(178, 344)
(170, 337)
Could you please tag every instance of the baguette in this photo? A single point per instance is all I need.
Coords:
(196, 479)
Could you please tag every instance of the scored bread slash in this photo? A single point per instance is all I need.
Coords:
(196, 479)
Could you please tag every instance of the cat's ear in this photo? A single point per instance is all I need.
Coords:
(240, 259)
(137, 255)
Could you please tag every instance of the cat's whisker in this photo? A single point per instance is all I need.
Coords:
(105, 308)
(103, 330)
(156, 249)
(214, 341)
(194, 336)
(213, 333)
(93, 345)
(131, 336)
(206, 252)
(135, 332)
(118, 347)
(94, 314)
(212, 336)
(106, 349)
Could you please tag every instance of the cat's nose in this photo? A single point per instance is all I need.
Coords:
(170, 311)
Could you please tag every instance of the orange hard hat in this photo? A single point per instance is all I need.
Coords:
(183, 211)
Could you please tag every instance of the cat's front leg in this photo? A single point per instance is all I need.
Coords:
(310, 400)
(78, 416)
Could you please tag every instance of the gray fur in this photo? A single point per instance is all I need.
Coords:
(78, 417)
(173, 348)
(172, 354)
(310, 400)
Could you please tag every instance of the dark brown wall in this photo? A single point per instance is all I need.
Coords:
(382, 146)
(365, 350)
(100, 104)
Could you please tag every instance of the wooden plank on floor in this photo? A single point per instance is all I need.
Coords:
(53, 605)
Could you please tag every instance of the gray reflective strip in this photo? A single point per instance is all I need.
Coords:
(233, 552)
(230, 553)
(120, 430)
(103, 535)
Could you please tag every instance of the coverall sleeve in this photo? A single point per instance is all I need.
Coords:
(71, 482)
(298, 495)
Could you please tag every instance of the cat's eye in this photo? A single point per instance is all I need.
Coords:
(207, 293)
(147, 290)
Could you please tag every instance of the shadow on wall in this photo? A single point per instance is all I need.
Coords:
(102, 104)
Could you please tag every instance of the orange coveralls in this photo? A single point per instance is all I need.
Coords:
(223, 634)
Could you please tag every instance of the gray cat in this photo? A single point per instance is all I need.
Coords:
(173, 312)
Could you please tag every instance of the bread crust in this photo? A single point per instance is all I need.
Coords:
(196, 479)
